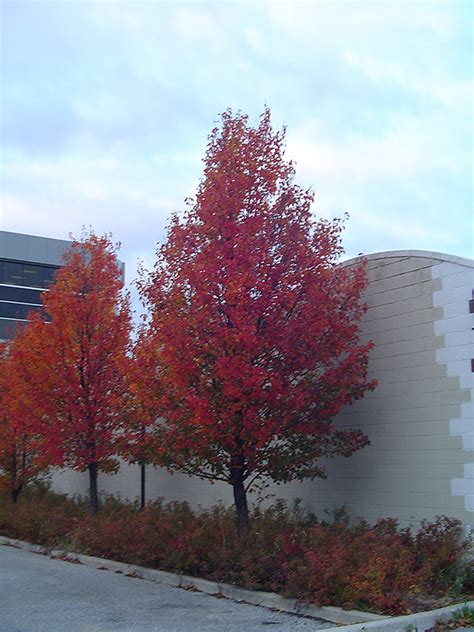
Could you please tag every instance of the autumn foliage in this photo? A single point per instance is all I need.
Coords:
(253, 335)
(75, 366)
(251, 348)
(22, 447)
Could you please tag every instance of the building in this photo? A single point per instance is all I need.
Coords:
(27, 267)
(420, 418)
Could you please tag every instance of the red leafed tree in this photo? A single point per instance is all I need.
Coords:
(76, 365)
(254, 326)
(22, 454)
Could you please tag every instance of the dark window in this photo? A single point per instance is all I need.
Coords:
(20, 295)
(28, 274)
(47, 276)
(13, 273)
(8, 328)
(32, 275)
(16, 310)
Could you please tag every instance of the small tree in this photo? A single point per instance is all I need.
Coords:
(254, 329)
(22, 454)
(76, 365)
(140, 443)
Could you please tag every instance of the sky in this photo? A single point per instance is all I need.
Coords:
(106, 107)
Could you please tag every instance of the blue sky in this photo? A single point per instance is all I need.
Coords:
(106, 108)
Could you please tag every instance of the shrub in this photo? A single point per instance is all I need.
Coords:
(439, 554)
(332, 562)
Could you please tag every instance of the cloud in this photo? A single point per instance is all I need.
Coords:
(396, 184)
(107, 107)
(62, 195)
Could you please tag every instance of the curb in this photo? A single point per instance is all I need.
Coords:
(332, 614)
(419, 622)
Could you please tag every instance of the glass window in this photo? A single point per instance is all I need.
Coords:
(8, 328)
(26, 274)
(32, 275)
(48, 276)
(20, 295)
(13, 273)
(16, 310)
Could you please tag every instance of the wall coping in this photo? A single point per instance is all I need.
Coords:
(423, 254)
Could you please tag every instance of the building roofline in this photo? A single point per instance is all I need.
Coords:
(32, 248)
(29, 235)
(35, 249)
(423, 254)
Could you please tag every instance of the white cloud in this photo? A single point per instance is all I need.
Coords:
(405, 149)
(374, 69)
(375, 96)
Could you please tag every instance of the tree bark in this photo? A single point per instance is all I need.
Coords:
(93, 493)
(16, 489)
(241, 507)
(142, 486)
(15, 493)
(237, 480)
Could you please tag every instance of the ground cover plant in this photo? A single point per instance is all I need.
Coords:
(381, 568)
(462, 618)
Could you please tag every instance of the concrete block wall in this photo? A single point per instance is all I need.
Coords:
(419, 419)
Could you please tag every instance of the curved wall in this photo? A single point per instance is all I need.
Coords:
(420, 417)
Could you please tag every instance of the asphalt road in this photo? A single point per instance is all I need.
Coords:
(38, 594)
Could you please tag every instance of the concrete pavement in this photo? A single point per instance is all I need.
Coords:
(39, 594)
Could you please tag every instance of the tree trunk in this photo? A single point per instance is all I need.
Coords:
(142, 486)
(93, 494)
(241, 507)
(15, 493)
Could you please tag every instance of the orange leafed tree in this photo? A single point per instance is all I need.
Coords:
(76, 365)
(141, 444)
(254, 328)
(22, 449)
